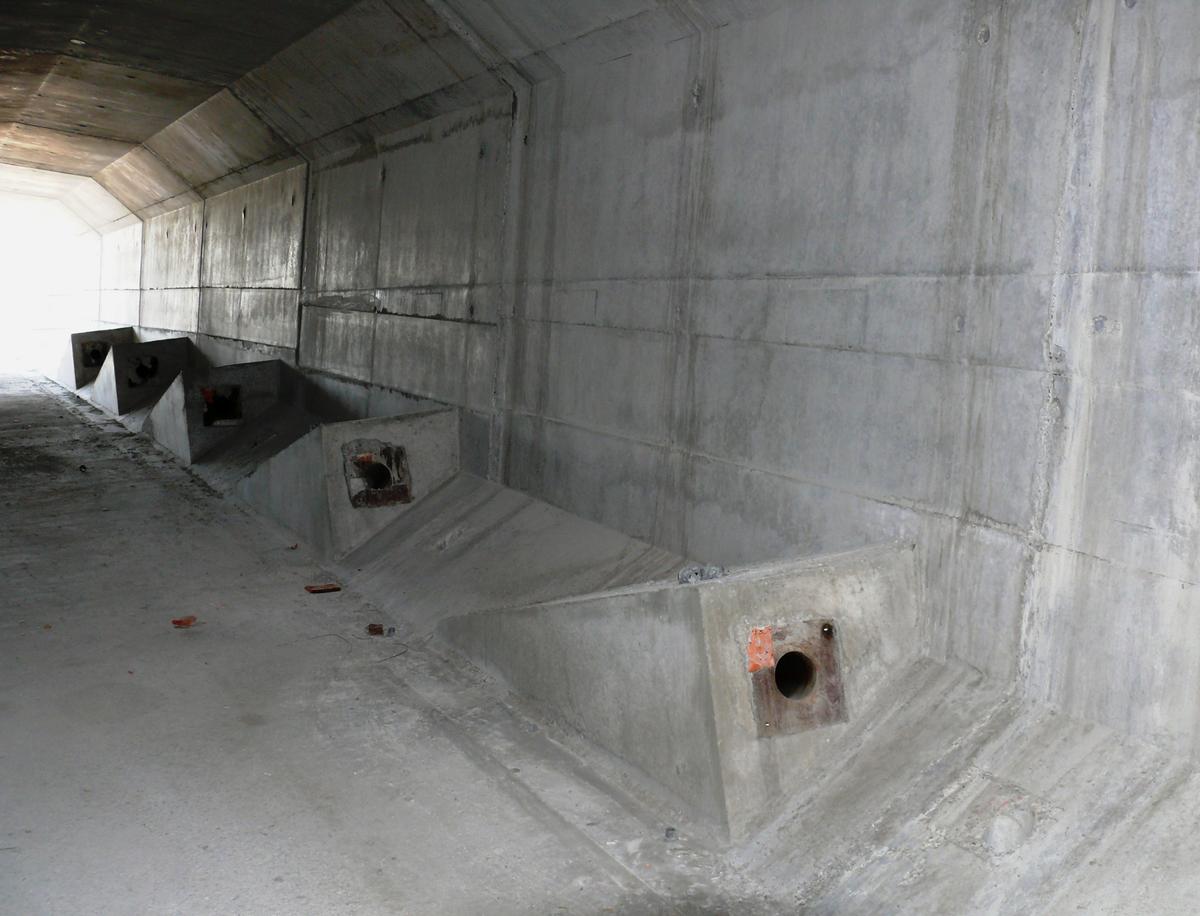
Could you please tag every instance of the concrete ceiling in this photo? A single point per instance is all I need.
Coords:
(168, 102)
(84, 81)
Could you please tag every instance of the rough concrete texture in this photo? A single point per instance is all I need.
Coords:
(85, 354)
(135, 374)
(87, 81)
(185, 419)
(751, 279)
(307, 487)
(782, 278)
(274, 759)
(681, 710)
(246, 449)
(167, 422)
(473, 544)
(121, 274)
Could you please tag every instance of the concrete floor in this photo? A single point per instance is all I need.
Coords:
(273, 759)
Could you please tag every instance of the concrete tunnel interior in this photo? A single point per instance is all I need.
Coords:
(565, 456)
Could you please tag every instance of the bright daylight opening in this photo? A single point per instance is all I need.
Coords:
(49, 280)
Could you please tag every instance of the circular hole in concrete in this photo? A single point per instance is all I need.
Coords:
(377, 476)
(794, 675)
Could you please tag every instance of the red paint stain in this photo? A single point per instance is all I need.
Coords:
(761, 651)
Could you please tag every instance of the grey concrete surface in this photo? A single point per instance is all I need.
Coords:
(304, 487)
(136, 373)
(742, 280)
(178, 420)
(275, 759)
(80, 368)
(272, 759)
(681, 708)
(473, 545)
(763, 279)
(87, 81)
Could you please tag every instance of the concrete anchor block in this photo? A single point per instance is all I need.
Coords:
(343, 483)
(86, 353)
(725, 693)
(204, 407)
(136, 374)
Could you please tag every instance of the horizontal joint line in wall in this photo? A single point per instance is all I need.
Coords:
(965, 362)
(864, 277)
(326, 373)
(893, 502)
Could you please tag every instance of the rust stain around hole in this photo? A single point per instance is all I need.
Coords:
(377, 474)
(796, 677)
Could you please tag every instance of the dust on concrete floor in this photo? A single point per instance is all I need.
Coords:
(272, 758)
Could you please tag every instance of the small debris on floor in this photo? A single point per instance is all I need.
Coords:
(83, 469)
(670, 833)
(374, 629)
(323, 588)
(47, 626)
(294, 547)
(183, 623)
(697, 573)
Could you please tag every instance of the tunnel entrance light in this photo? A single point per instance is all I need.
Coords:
(49, 282)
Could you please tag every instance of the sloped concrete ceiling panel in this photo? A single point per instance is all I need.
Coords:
(517, 29)
(145, 184)
(216, 138)
(104, 100)
(375, 57)
(83, 81)
(213, 41)
(40, 148)
(24, 71)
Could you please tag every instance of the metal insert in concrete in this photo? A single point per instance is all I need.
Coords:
(796, 676)
(377, 473)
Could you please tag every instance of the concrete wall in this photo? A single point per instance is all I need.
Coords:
(227, 269)
(250, 268)
(171, 270)
(402, 261)
(120, 274)
(853, 270)
(782, 271)
(759, 279)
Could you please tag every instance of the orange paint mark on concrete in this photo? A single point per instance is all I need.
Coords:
(761, 651)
